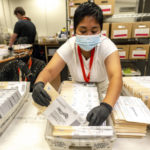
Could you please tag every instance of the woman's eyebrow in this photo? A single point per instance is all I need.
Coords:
(83, 27)
(95, 27)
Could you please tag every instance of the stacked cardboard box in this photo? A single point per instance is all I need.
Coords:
(141, 30)
(107, 6)
(73, 4)
(131, 117)
(105, 30)
(121, 30)
(138, 87)
(123, 51)
(139, 51)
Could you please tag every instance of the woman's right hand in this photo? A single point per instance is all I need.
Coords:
(39, 95)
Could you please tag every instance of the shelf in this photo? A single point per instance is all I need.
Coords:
(133, 60)
(136, 15)
(131, 41)
(118, 16)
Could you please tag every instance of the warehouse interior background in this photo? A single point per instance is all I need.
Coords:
(21, 126)
(49, 16)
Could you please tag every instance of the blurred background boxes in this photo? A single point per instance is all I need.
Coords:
(139, 51)
(105, 30)
(121, 30)
(51, 51)
(123, 51)
(47, 40)
(107, 6)
(76, 2)
(73, 4)
(72, 11)
(141, 29)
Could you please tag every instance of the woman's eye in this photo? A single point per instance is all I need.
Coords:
(94, 32)
(82, 32)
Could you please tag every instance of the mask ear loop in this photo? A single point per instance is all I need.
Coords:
(75, 54)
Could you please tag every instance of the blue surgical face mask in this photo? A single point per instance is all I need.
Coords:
(87, 42)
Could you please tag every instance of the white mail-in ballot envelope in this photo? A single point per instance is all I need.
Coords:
(59, 112)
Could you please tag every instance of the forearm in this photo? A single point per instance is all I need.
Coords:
(12, 39)
(45, 76)
(114, 90)
(51, 71)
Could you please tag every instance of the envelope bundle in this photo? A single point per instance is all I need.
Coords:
(12, 97)
(138, 87)
(82, 131)
(67, 111)
(8, 98)
(81, 97)
(131, 117)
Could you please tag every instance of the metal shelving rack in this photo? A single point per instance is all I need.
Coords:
(142, 64)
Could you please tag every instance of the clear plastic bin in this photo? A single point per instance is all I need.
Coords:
(6, 120)
(58, 143)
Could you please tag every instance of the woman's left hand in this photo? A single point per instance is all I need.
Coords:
(99, 114)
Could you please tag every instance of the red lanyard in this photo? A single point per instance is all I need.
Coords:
(29, 66)
(24, 18)
(86, 78)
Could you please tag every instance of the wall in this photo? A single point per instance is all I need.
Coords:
(49, 16)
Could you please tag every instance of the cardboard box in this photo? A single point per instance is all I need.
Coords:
(123, 51)
(141, 30)
(76, 2)
(107, 6)
(121, 30)
(105, 30)
(72, 11)
(73, 4)
(140, 51)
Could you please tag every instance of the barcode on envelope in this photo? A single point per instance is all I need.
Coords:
(57, 117)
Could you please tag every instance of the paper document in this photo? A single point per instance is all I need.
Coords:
(60, 113)
(132, 109)
(20, 86)
(8, 98)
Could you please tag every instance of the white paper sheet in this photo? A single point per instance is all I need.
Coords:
(60, 113)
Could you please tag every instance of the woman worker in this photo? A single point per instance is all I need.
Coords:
(91, 57)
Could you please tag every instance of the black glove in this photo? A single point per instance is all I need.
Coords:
(39, 95)
(99, 114)
(10, 51)
(10, 48)
(24, 69)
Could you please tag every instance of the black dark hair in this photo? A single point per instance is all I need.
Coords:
(88, 9)
(19, 10)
